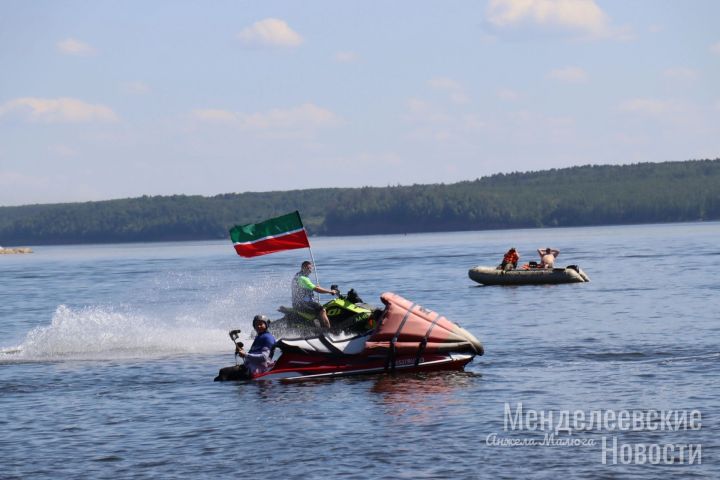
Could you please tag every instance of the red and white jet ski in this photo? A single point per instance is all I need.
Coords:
(406, 337)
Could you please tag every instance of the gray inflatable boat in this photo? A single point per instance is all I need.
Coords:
(532, 276)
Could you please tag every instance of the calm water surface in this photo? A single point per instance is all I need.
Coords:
(107, 355)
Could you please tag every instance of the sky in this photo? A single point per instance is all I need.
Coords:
(114, 99)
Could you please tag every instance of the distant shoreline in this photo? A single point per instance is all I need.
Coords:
(315, 236)
(591, 195)
(13, 250)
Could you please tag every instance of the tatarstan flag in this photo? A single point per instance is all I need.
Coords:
(274, 235)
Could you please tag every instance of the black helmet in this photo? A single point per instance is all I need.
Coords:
(260, 318)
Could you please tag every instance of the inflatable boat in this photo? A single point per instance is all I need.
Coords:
(531, 276)
(407, 337)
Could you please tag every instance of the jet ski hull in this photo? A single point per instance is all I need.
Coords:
(302, 371)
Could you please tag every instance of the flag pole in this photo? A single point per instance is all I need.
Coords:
(312, 259)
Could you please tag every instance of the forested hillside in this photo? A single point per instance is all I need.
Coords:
(587, 195)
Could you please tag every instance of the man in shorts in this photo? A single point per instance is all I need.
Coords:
(302, 294)
(547, 257)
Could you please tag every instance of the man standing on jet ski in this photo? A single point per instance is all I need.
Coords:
(302, 294)
(259, 358)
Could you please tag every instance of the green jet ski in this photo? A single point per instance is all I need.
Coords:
(347, 313)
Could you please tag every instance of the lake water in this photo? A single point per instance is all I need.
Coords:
(108, 353)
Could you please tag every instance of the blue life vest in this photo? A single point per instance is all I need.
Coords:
(264, 340)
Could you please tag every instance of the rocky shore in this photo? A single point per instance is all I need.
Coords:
(15, 250)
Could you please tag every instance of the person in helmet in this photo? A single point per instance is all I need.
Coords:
(259, 358)
(302, 294)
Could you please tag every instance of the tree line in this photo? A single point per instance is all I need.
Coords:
(576, 196)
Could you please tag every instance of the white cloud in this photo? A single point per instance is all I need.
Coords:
(417, 106)
(569, 74)
(270, 32)
(444, 83)
(473, 122)
(508, 94)
(71, 46)
(420, 111)
(681, 73)
(715, 48)
(346, 57)
(427, 122)
(62, 151)
(215, 115)
(59, 110)
(528, 127)
(451, 87)
(302, 117)
(650, 106)
(581, 15)
(136, 88)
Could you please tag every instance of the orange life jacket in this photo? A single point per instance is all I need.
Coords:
(511, 257)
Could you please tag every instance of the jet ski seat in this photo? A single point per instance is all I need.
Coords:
(349, 345)
(326, 343)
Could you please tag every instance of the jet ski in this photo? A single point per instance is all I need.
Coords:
(406, 337)
(346, 312)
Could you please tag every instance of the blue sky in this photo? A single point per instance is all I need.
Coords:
(102, 100)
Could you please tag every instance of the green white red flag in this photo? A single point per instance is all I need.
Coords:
(274, 235)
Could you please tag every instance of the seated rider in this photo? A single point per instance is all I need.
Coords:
(547, 257)
(510, 260)
(302, 294)
(259, 358)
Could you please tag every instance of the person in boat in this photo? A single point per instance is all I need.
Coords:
(510, 260)
(547, 257)
(303, 290)
(259, 358)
